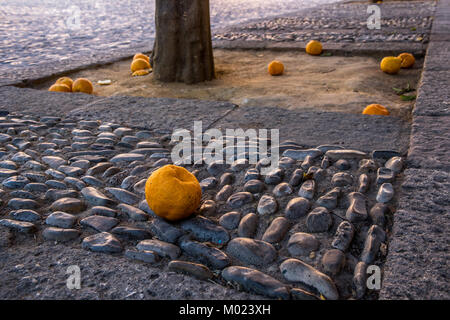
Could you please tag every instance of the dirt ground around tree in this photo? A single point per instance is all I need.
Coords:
(320, 83)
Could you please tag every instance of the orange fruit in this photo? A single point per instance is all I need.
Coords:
(142, 72)
(376, 109)
(391, 65)
(59, 87)
(173, 193)
(139, 64)
(65, 80)
(276, 68)
(407, 59)
(83, 85)
(314, 48)
(141, 56)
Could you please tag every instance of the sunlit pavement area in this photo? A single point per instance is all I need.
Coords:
(44, 134)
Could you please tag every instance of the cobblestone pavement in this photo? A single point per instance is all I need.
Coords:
(341, 22)
(54, 34)
(309, 228)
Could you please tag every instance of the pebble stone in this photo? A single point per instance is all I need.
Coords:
(267, 205)
(61, 220)
(59, 234)
(210, 256)
(254, 186)
(307, 189)
(131, 233)
(333, 261)
(248, 225)
(342, 179)
(165, 231)
(69, 205)
(378, 214)
(20, 226)
(132, 213)
(102, 242)
(17, 204)
(282, 189)
(197, 270)
(276, 230)
(330, 199)
(395, 164)
(237, 200)
(143, 256)
(230, 220)
(295, 270)
(385, 175)
(123, 195)
(254, 252)
(302, 244)
(257, 282)
(357, 210)
(343, 236)
(204, 229)
(363, 183)
(375, 236)
(385, 193)
(99, 223)
(297, 208)
(25, 215)
(163, 249)
(319, 220)
(224, 193)
(208, 183)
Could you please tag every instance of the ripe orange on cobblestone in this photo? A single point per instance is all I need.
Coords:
(139, 64)
(391, 65)
(314, 48)
(59, 87)
(173, 193)
(142, 72)
(376, 109)
(65, 80)
(141, 56)
(276, 68)
(407, 59)
(83, 85)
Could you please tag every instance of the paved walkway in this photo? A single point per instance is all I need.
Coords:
(417, 266)
(43, 37)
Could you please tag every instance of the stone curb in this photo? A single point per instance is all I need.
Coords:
(417, 262)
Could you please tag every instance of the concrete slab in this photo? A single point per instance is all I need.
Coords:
(311, 129)
(430, 143)
(417, 263)
(162, 114)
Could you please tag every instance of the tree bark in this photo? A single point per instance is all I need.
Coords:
(182, 50)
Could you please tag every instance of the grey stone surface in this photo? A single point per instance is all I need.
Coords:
(417, 262)
(316, 128)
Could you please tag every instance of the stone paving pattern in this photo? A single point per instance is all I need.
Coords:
(417, 265)
(341, 22)
(46, 40)
(307, 229)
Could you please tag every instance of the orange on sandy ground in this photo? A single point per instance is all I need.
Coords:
(275, 68)
(139, 64)
(391, 65)
(407, 59)
(60, 87)
(173, 193)
(314, 47)
(335, 83)
(376, 109)
(83, 85)
(65, 80)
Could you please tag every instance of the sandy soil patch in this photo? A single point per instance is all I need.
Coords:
(325, 83)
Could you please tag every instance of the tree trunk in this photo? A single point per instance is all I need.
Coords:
(182, 50)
